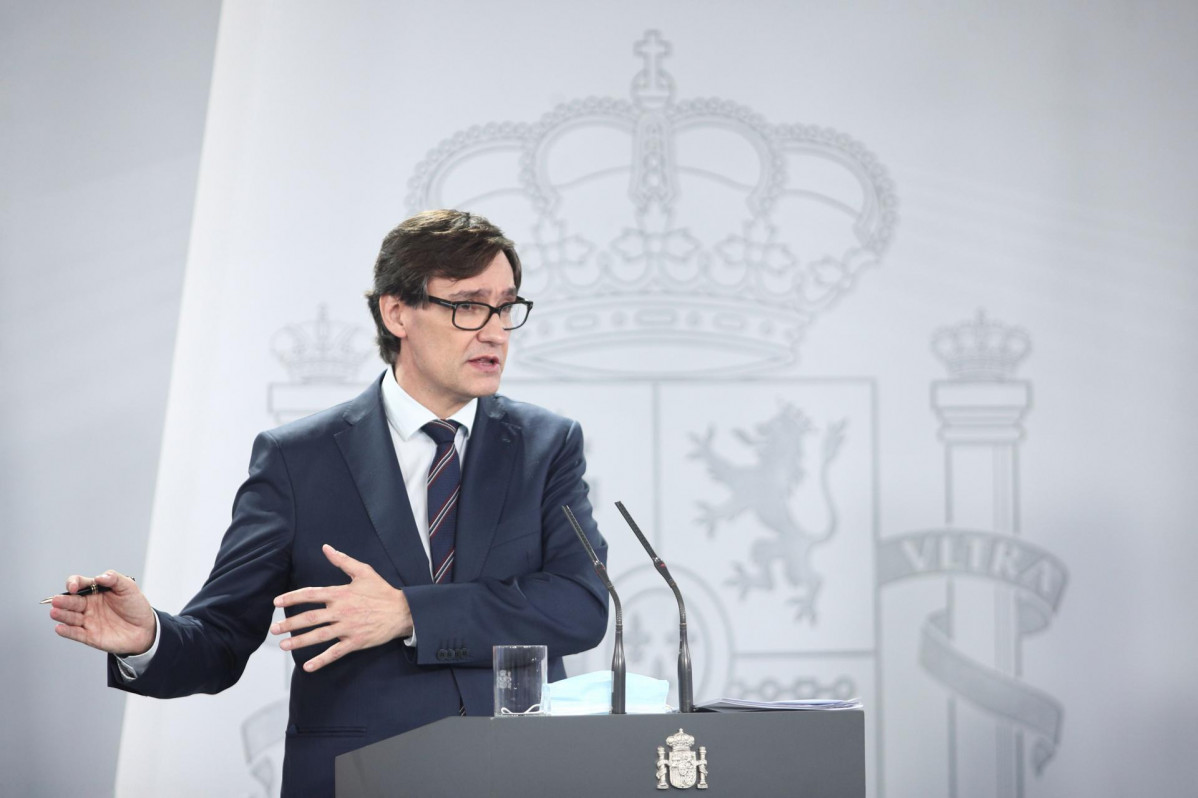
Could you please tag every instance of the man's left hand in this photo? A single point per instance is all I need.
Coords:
(365, 613)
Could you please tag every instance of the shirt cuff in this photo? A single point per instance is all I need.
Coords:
(410, 640)
(133, 665)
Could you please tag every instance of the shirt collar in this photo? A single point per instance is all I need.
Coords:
(406, 416)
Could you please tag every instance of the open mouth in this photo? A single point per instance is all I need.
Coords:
(487, 362)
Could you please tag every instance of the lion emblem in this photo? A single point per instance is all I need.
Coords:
(768, 487)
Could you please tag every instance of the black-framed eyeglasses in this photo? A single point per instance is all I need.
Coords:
(475, 315)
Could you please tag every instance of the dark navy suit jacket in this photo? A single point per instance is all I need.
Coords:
(520, 575)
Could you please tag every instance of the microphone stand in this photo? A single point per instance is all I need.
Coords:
(617, 657)
(686, 696)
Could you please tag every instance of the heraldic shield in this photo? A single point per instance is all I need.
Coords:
(682, 769)
(686, 769)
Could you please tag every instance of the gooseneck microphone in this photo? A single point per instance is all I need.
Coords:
(617, 657)
(686, 696)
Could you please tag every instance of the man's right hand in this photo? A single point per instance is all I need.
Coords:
(119, 621)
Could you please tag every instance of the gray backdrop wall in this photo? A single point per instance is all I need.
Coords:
(948, 256)
(101, 118)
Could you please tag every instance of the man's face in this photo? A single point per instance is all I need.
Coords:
(439, 365)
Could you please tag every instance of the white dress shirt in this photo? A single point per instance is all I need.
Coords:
(415, 449)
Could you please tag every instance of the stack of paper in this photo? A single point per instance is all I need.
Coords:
(741, 705)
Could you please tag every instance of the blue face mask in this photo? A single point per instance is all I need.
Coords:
(590, 694)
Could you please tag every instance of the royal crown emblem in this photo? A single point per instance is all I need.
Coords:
(694, 226)
(322, 350)
(981, 349)
(322, 358)
(683, 768)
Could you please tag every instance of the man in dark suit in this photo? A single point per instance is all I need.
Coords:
(392, 605)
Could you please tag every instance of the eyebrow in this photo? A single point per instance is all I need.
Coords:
(479, 295)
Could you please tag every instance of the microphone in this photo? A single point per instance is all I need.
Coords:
(686, 697)
(617, 657)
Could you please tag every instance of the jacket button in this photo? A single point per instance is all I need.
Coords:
(442, 654)
(462, 654)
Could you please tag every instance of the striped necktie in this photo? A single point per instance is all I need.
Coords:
(444, 482)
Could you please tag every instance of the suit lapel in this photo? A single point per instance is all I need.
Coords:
(366, 446)
(490, 460)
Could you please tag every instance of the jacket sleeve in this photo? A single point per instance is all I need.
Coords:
(204, 649)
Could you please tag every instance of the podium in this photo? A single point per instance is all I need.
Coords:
(785, 753)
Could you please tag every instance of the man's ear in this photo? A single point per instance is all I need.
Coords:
(394, 313)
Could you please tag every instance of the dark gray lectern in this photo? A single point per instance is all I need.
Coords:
(820, 754)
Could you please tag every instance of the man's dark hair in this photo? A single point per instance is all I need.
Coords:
(445, 243)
